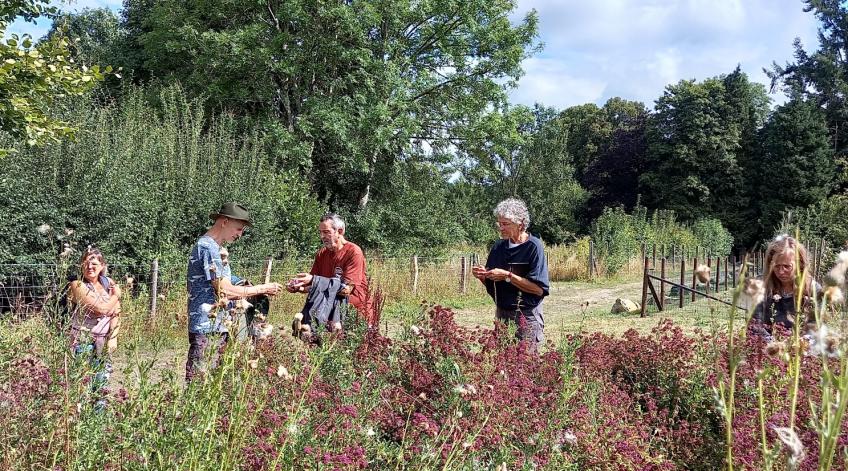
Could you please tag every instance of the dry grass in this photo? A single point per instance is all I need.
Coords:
(580, 306)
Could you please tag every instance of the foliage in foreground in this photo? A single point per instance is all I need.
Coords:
(438, 396)
(33, 77)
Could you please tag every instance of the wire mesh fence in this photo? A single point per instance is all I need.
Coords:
(26, 288)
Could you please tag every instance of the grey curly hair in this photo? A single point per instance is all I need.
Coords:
(515, 210)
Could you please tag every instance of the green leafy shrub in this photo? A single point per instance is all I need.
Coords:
(710, 233)
(615, 237)
(619, 236)
(827, 219)
(140, 181)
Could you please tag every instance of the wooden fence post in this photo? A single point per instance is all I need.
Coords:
(591, 258)
(463, 276)
(718, 272)
(694, 276)
(644, 287)
(267, 270)
(154, 286)
(762, 262)
(680, 291)
(733, 272)
(725, 272)
(662, 283)
(413, 271)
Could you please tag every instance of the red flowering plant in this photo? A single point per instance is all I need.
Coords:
(649, 394)
(436, 395)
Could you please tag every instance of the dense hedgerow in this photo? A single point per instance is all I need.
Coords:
(140, 180)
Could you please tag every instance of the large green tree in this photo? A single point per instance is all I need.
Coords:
(347, 86)
(95, 35)
(33, 77)
(795, 168)
(589, 132)
(612, 178)
(696, 149)
(822, 75)
(523, 153)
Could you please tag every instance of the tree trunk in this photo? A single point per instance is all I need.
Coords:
(365, 194)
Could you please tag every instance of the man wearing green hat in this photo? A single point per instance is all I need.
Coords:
(206, 272)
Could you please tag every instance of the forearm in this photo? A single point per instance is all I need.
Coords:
(114, 327)
(525, 285)
(104, 308)
(231, 291)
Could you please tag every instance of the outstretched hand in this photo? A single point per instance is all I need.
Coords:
(272, 289)
(299, 283)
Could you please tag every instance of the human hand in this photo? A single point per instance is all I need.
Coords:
(272, 289)
(299, 283)
(479, 272)
(112, 345)
(497, 274)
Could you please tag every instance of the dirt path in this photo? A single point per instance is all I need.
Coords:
(580, 306)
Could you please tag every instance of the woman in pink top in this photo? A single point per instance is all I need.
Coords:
(97, 305)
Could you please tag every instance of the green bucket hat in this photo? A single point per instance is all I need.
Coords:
(232, 211)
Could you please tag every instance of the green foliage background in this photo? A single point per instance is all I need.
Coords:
(140, 181)
(396, 115)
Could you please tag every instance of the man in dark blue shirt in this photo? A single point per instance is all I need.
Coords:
(516, 273)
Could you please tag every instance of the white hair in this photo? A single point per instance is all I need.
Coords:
(338, 222)
(515, 210)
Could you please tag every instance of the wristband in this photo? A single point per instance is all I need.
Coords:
(508, 278)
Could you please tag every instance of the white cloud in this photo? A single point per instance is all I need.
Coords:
(550, 78)
(633, 48)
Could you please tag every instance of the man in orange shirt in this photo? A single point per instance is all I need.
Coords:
(338, 258)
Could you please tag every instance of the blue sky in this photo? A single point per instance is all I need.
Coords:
(598, 49)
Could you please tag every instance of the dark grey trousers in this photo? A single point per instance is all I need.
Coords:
(533, 331)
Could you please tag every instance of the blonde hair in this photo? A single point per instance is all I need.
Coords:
(780, 245)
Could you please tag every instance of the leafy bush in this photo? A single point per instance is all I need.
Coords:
(619, 236)
(712, 235)
(827, 219)
(615, 237)
(139, 182)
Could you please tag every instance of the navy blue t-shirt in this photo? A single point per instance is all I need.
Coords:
(526, 260)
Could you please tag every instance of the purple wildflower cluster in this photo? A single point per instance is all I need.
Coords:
(436, 396)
